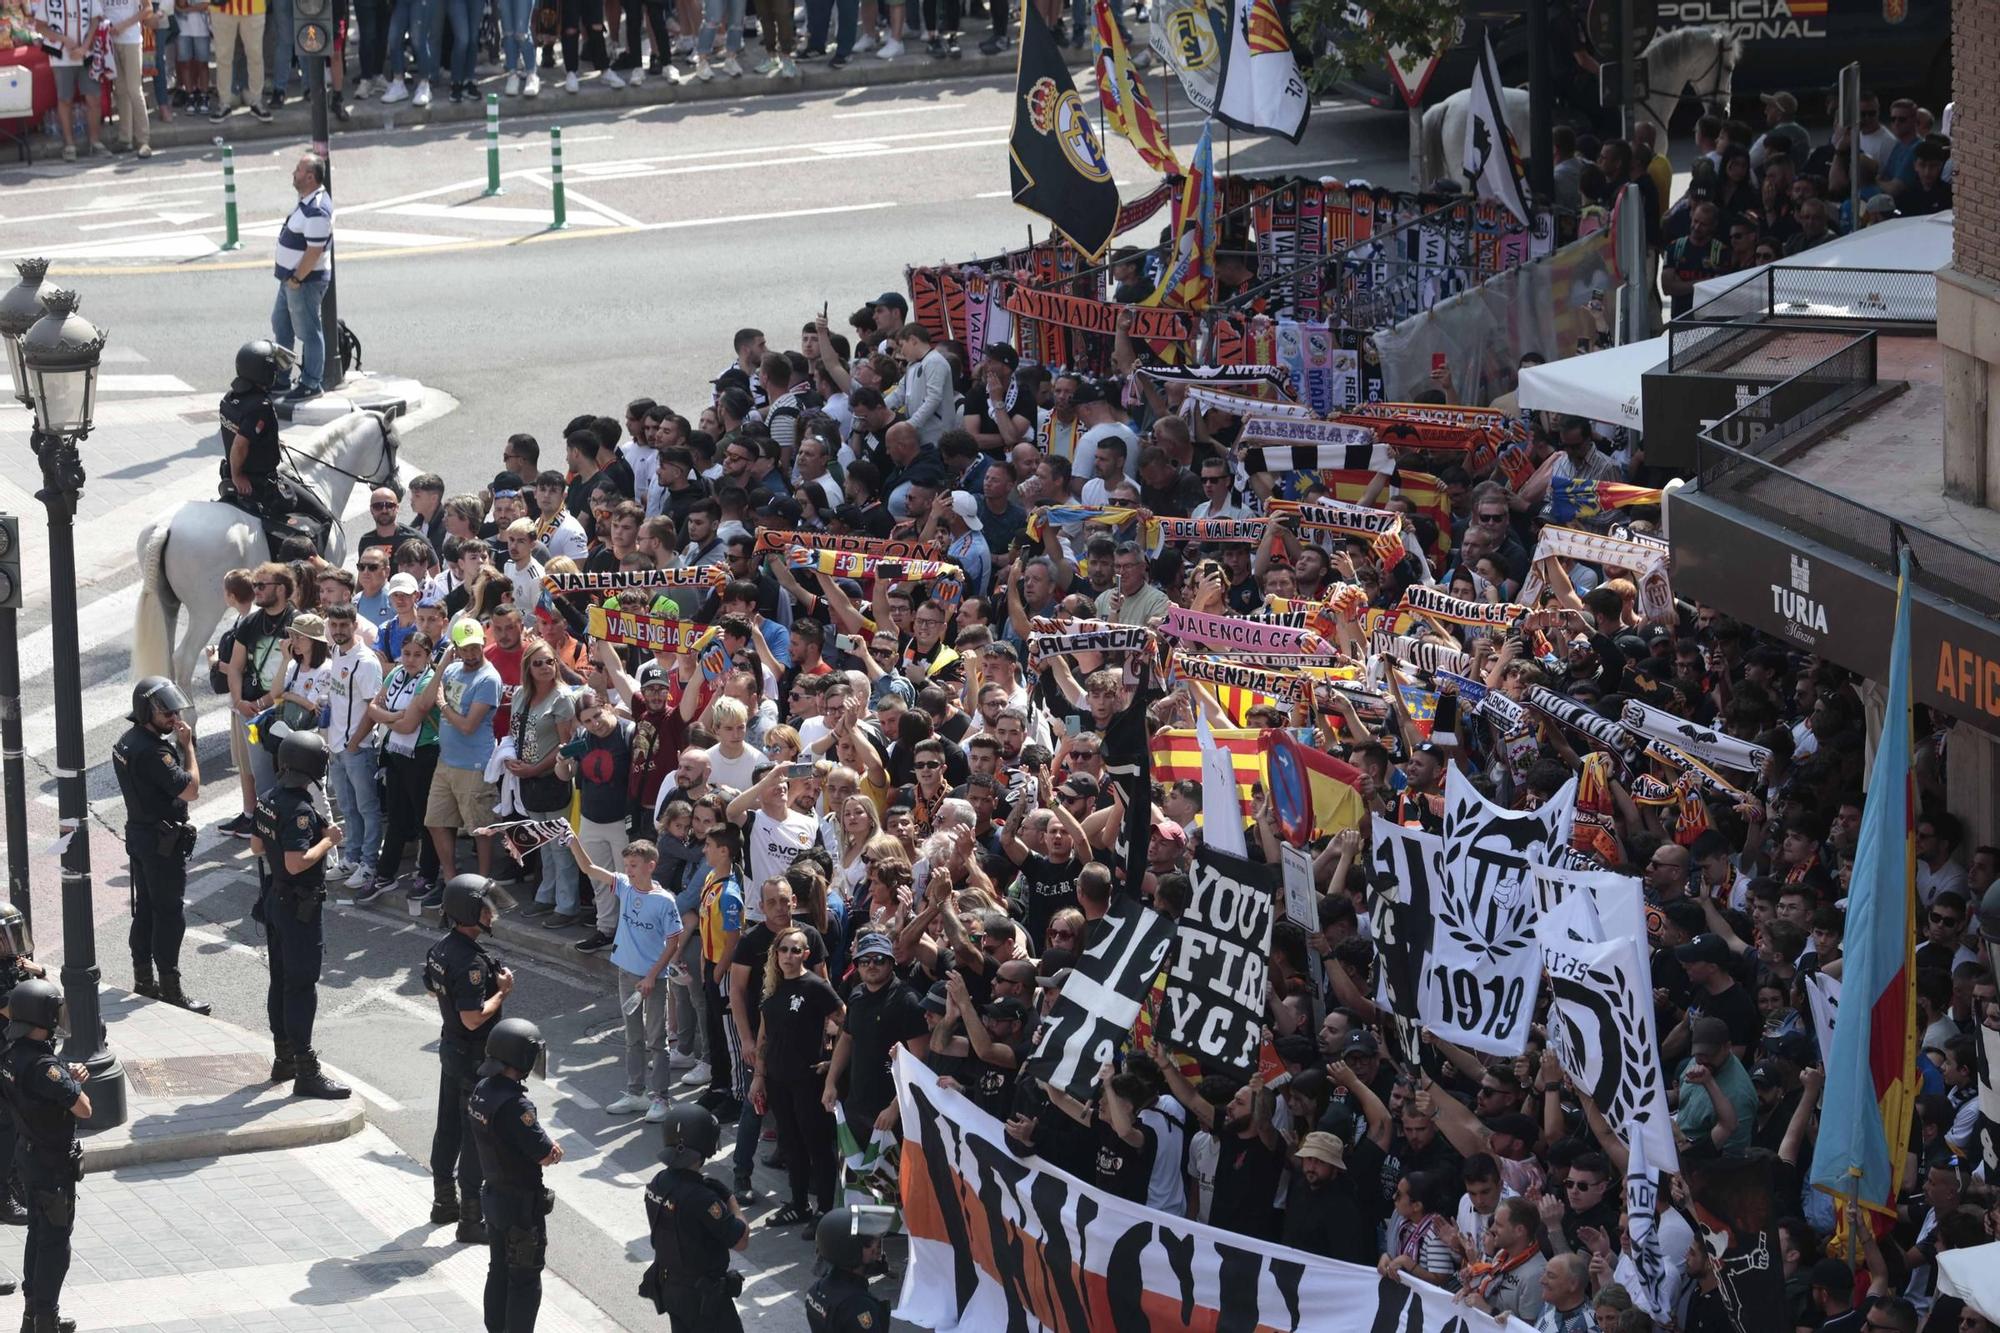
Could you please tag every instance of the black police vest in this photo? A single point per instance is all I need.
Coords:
(688, 1253)
(248, 412)
(49, 1128)
(145, 803)
(448, 958)
(277, 814)
(494, 1099)
(835, 1300)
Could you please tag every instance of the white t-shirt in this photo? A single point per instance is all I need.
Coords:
(1085, 462)
(1166, 1188)
(74, 19)
(769, 848)
(193, 22)
(727, 772)
(1204, 1151)
(567, 538)
(116, 12)
(527, 581)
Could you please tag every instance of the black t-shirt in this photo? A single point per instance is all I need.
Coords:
(1333, 1220)
(262, 637)
(753, 947)
(794, 1026)
(1734, 1007)
(1246, 1183)
(1049, 888)
(991, 1086)
(879, 1021)
(1122, 1168)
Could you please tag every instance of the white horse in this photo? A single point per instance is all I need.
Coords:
(1702, 59)
(182, 557)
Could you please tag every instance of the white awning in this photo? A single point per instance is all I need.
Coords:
(1603, 386)
(1920, 245)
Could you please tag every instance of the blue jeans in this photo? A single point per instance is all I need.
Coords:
(464, 16)
(351, 781)
(418, 20)
(728, 14)
(559, 873)
(517, 40)
(296, 312)
(278, 31)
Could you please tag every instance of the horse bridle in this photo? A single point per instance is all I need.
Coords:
(1709, 100)
(388, 462)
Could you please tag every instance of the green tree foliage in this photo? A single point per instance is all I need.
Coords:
(1345, 36)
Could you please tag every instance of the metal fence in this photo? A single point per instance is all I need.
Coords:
(1750, 480)
(1795, 294)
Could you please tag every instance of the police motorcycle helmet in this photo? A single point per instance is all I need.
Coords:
(36, 1003)
(515, 1044)
(155, 692)
(844, 1235)
(689, 1137)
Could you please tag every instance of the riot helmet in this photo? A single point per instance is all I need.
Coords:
(515, 1044)
(155, 692)
(690, 1135)
(302, 759)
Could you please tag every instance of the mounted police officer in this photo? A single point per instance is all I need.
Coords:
(294, 839)
(470, 987)
(849, 1240)
(513, 1149)
(695, 1222)
(47, 1099)
(250, 444)
(158, 774)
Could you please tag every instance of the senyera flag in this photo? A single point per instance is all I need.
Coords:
(1122, 93)
(1312, 793)
(1871, 1081)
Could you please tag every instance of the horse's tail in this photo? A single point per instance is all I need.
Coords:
(153, 634)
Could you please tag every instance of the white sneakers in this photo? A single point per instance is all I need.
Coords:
(787, 68)
(423, 97)
(637, 77)
(533, 87)
(397, 91)
(513, 88)
(864, 43)
(732, 67)
(360, 91)
(702, 70)
(610, 79)
(680, 1060)
(699, 1074)
(630, 1103)
(658, 1112)
(890, 50)
(569, 83)
(358, 877)
(769, 65)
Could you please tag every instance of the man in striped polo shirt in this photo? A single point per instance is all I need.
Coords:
(304, 267)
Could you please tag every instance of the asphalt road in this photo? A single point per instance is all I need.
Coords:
(686, 223)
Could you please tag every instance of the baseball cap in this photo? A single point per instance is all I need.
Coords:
(403, 583)
(506, 483)
(967, 507)
(1708, 1035)
(935, 999)
(651, 673)
(1168, 830)
(1706, 947)
(1360, 1043)
(873, 944)
(1087, 392)
(1078, 784)
(431, 603)
(1323, 1147)
(1006, 1009)
(1765, 1075)
(467, 633)
(892, 299)
(1786, 103)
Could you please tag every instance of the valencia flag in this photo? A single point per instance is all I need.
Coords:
(1058, 166)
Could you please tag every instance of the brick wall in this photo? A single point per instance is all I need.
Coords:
(1976, 138)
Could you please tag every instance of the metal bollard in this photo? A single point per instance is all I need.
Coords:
(556, 177)
(493, 145)
(231, 239)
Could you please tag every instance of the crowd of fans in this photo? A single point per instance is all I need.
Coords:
(881, 818)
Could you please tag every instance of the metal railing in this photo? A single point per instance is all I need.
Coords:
(1794, 295)
(1747, 478)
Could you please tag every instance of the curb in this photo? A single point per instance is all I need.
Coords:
(293, 121)
(512, 936)
(106, 1152)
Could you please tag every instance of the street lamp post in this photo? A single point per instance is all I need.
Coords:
(20, 307)
(59, 357)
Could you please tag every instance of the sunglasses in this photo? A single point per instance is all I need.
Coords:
(873, 960)
(1062, 934)
(381, 504)
(372, 564)
(932, 763)
(1084, 754)
(1581, 1185)
(1940, 919)
(792, 948)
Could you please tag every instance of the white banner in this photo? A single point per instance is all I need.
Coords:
(1704, 743)
(1823, 997)
(1483, 970)
(1619, 901)
(1409, 868)
(1601, 1025)
(1004, 1242)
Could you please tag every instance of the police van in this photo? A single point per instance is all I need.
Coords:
(1904, 46)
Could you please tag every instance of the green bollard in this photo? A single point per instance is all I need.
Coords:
(556, 177)
(231, 239)
(493, 145)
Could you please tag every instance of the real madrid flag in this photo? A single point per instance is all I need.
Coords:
(1058, 166)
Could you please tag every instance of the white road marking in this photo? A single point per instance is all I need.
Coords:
(151, 183)
(993, 194)
(605, 210)
(563, 1089)
(124, 384)
(762, 152)
(865, 148)
(812, 153)
(494, 213)
(170, 219)
(901, 111)
(171, 245)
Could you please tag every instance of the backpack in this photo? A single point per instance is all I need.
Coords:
(218, 679)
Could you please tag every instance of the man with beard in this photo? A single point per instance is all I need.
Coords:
(1251, 1162)
(883, 1012)
(1326, 1211)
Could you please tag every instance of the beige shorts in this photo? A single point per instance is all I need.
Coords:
(461, 798)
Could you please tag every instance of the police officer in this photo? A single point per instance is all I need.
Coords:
(695, 1222)
(158, 774)
(849, 1240)
(250, 436)
(294, 839)
(16, 966)
(470, 987)
(513, 1149)
(47, 1099)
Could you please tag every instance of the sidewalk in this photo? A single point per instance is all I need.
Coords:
(328, 1238)
(200, 1087)
(516, 936)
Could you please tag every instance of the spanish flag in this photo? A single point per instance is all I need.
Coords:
(1313, 794)
(1425, 493)
(1572, 498)
(1177, 757)
(1122, 93)
(1237, 702)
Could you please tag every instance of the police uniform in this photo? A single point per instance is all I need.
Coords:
(158, 839)
(512, 1145)
(246, 411)
(287, 821)
(40, 1090)
(840, 1302)
(694, 1228)
(462, 975)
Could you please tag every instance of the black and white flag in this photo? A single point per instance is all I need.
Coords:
(1099, 1003)
(521, 836)
(1584, 721)
(1704, 743)
(1617, 902)
(1642, 1210)
(1481, 978)
(1491, 161)
(1986, 1057)
(1276, 458)
(1601, 1026)
(1218, 983)
(1409, 873)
